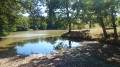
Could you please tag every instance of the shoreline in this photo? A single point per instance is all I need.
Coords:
(88, 53)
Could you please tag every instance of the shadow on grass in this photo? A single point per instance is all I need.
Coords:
(91, 54)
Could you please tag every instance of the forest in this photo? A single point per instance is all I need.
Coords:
(58, 14)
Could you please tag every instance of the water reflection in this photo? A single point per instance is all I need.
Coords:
(43, 45)
(62, 45)
(26, 35)
(70, 44)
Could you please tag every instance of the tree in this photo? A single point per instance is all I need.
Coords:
(112, 12)
(52, 6)
(8, 10)
(98, 8)
(82, 11)
(22, 23)
(118, 21)
(34, 8)
(66, 8)
(103, 9)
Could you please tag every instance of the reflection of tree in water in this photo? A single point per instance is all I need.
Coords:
(11, 50)
(51, 40)
(25, 42)
(33, 41)
(69, 43)
(61, 45)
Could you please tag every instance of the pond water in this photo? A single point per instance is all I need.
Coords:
(46, 42)
(43, 45)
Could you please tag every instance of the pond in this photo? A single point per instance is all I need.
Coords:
(43, 45)
(35, 42)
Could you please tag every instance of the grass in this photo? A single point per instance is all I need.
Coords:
(98, 31)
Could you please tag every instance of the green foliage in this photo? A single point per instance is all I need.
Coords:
(61, 14)
(22, 23)
(44, 26)
(61, 23)
(78, 24)
(118, 21)
(107, 21)
(7, 16)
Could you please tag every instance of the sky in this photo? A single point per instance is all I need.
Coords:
(26, 14)
(118, 14)
(45, 14)
(43, 8)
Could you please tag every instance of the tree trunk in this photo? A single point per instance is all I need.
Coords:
(90, 25)
(114, 27)
(103, 27)
(68, 20)
(69, 26)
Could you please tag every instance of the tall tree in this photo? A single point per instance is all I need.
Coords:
(52, 5)
(34, 8)
(113, 8)
(66, 8)
(98, 8)
(8, 10)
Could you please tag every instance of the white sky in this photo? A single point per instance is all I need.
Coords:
(26, 14)
(43, 8)
(118, 14)
(45, 14)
